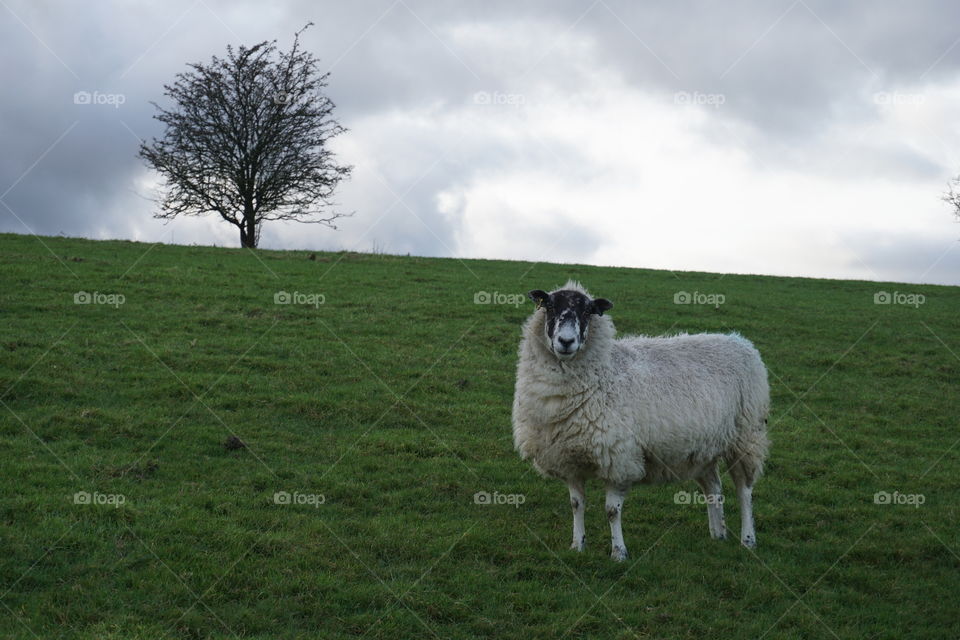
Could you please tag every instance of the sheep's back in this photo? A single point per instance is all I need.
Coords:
(684, 393)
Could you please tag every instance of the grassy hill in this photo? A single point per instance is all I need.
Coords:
(374, 407)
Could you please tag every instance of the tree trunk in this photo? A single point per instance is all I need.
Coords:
(248, 233)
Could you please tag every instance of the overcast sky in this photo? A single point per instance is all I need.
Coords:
(802, 137)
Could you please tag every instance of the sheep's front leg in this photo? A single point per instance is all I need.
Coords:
(578, 504)
(618, 548)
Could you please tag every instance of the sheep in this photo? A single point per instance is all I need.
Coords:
(637, 409)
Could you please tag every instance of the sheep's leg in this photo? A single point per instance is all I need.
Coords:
(748, 536)
(713, 490)
(615, 496)
(744, 482)
(577, 504)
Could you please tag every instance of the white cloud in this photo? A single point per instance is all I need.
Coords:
(635, 182)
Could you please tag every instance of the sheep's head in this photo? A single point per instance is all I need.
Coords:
(568, 314)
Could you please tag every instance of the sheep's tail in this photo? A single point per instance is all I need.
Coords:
(752, 444)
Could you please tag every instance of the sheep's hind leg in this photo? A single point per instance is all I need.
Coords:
(577, 504)
(713, 490)
(614, 503)
(744, 482)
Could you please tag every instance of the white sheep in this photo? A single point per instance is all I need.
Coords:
(637, 409)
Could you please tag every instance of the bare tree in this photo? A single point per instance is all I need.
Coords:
(952, 196)
(248, 139)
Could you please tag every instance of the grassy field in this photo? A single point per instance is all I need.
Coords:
(376, 404)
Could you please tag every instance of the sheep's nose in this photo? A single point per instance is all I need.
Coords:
(565, 343)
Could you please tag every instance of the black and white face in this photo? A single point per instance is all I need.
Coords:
(568, 319)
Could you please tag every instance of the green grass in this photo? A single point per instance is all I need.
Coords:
(392, 401)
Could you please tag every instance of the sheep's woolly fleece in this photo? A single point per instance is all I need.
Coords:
(639, 409)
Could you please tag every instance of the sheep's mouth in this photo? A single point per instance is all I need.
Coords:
(565, 355)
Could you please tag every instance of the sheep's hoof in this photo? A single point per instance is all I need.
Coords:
(719, 536)
(619, 554)
(749, 542)
(578, 545)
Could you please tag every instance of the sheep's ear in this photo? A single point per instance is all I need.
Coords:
(600, 305)
(540, 298)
